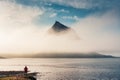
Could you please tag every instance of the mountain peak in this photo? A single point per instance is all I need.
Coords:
(58, 27)
(62, 30)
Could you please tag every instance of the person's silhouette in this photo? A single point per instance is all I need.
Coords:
(25, 69)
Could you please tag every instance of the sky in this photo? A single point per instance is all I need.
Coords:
(24, 25)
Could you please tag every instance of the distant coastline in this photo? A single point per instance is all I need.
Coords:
(73, 55)
(2, 58)
(62, 55)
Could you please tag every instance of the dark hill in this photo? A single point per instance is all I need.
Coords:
(58, 27)
(73, 55)
(2, 57)
(61, 30)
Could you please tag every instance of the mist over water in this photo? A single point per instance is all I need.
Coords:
(19, 33)
(66, 69)
(34, 39)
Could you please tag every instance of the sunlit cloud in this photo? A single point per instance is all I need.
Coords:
(87, 4)
(19, 33)
(63, 10)
(53, 15)
(71, 17)
(99, 33)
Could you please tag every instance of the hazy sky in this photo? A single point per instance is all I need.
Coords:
(24, 25)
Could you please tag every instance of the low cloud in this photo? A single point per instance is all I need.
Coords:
(99, 32)
(20, 35)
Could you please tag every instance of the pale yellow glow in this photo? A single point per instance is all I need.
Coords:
(19, 34)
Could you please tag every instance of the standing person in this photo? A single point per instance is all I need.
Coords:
(25, 69)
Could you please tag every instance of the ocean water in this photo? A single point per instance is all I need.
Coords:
(66, 69)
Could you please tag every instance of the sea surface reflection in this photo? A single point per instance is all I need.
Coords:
(66, 68)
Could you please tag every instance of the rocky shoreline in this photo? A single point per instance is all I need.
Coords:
(17, 75)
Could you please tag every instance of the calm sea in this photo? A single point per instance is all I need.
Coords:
(66, 69)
